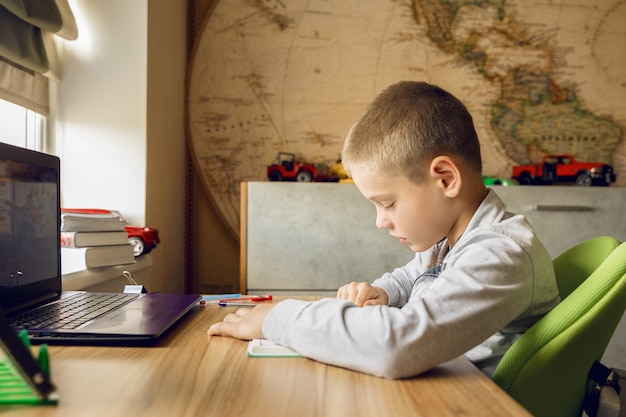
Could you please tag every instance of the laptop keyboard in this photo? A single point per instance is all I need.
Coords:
(71, 312)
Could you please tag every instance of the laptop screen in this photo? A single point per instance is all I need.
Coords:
(29, 226)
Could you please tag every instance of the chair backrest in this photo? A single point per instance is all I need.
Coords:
(574, 265)
(546, 369)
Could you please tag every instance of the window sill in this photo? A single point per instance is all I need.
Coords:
(79, 280)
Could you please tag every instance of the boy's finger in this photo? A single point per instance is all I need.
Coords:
(242, 311)
(221, 328)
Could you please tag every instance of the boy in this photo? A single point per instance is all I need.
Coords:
(479, 278)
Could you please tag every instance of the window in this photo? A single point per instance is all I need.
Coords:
(21, 127)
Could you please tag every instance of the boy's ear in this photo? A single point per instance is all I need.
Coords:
(447, 174)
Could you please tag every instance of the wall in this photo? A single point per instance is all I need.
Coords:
(217, 260)
(165, 151)
(100, 118)
(119, 120)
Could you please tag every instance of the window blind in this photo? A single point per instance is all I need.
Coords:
(27, 49)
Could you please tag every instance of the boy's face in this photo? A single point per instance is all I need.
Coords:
(416, 214)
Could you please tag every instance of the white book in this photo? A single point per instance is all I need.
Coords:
(268, 349)
(84, 239)
(80, 223)
(77, 259)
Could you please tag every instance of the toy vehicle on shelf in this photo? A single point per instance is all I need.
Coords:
(339, 173)
(490, 180)
(142, 238)
(286, 167)
(564, 169)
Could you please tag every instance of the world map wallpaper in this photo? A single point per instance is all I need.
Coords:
(539, 77)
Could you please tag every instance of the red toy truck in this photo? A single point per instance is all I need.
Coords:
(285, 167)
(564, 169)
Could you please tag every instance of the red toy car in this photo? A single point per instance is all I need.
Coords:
(562, 169)
(143, 239)
(285, 167)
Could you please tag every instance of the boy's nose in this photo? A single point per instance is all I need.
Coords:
(382, 221)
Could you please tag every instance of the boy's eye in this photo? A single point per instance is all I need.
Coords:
(387, 206)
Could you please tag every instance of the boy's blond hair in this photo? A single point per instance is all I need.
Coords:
(406, 126)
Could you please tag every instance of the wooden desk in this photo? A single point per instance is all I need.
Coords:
(189, 373)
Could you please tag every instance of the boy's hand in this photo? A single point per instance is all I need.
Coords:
(245, 323)
(362, 294)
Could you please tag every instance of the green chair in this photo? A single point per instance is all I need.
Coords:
(546, 369)
(574, 265)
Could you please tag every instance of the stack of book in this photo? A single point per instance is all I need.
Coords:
(93, 239)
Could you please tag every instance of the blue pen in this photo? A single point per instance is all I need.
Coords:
(217, 297)
(220, 297)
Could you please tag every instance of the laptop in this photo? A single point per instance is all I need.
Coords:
(30, 267)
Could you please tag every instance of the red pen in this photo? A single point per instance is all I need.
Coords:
(253, 298)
